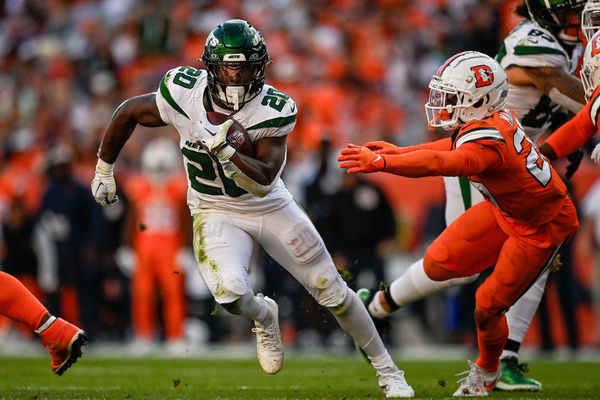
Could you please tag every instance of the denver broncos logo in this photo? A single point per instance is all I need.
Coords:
(483, 75)
(595, 45)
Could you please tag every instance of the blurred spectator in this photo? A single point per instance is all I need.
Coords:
(67, 213)
(157, 220)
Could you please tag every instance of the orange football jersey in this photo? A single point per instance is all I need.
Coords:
(523, 186)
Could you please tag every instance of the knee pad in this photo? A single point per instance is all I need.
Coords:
(343, 306)
(229, 288)
(328, 288)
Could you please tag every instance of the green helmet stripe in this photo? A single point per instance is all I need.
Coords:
(164, 91)
(274, 123)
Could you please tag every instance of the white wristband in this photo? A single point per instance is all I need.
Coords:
(225, 153)
(104, 167)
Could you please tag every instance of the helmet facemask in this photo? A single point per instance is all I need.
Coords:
(236, 83)
(590, 69)
(563, 19)
(590, 19)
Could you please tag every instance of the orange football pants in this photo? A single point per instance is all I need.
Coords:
(475, 242)
(157, 271)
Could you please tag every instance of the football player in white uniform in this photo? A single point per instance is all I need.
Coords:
(235, 199)
(540, 56)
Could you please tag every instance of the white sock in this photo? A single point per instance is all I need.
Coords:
(414, 284)
(356, 321)
(520, 315)
(255, 308)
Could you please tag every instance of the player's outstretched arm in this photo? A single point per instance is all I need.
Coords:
(382, 147)
(140, 110)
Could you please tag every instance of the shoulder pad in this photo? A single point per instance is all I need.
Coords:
(271, 109)
(179, 87)
(475, 131)
(531, 39)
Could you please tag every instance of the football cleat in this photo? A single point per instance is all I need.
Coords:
(269, 347)
(64, 341)
(366, 296)
(479, 382)
(394, 385)
(513, 380)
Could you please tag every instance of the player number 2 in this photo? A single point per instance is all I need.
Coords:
(537, 165)
(207, 172)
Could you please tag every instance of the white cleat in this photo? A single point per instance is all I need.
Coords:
(394, 385)
(269, 347)
(479, 382)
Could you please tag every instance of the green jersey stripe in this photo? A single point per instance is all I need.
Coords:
(274, 123)
(164, 91)
(465, 190)
(528, 50)
(501, 53)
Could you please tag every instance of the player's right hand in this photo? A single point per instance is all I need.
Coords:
(382, 147)
(596, 154)
(103, 184)
(361, 159)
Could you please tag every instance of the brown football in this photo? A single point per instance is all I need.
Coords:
(237, 135)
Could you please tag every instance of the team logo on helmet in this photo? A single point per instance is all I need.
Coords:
(483, 75)
(595, 46)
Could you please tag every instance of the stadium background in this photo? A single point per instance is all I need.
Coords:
(358, 71)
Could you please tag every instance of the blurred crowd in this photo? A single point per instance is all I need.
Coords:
(358, 71)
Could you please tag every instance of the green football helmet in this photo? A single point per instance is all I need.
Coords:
(556, 16)
(235, 56)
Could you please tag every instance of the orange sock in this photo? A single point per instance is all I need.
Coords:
(491, 341)
(16, 302)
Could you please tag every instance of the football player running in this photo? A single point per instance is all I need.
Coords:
(540, 56)
(521, 225)
(235, 199)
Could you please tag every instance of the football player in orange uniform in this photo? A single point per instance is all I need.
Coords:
(584, 125)
(527, 215)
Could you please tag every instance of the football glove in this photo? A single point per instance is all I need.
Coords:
(596, 154)
(574, 161)
(214, 138)
(361, 159)
(103, 185)
(382, 147)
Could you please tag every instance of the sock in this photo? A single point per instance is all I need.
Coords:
(17, 303)
(414, 284)
(490, 342)
(520, 315)
(254, 307)
(356, 321)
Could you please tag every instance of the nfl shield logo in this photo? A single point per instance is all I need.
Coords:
(236, 139)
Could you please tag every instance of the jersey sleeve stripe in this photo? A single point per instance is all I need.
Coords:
(274, 123)
(594, 108)
(479, 134)
(528, 50)
(164, 91)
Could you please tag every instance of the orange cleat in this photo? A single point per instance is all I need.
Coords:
(64, 341)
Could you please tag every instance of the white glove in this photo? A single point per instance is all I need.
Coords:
(214, 138)
(596, 154)
(103, 185)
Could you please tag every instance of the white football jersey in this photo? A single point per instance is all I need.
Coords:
(529, 45)
(180, 100)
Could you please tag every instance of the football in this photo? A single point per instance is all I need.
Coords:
(237, 135)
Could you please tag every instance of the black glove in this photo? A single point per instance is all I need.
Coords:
(574, 161)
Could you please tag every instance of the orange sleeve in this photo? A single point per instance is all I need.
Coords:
(573, 134)
(469, 159)
(438, 145)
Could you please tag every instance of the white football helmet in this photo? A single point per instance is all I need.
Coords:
(590, 18)
(160, 159)
(467, 87)
(590, 69)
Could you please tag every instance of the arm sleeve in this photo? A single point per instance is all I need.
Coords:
(438, 145)
(469, 159)
(572, 135)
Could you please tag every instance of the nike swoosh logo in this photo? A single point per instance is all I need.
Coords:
(293, 108)
(211, 133)
(377, 158)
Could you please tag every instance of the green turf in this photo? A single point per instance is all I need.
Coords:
(301, 378)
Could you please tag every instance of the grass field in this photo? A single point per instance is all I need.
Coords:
(301, 378)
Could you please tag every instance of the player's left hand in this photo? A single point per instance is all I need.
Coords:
(361, 159)
(574, 161)
(596, 154)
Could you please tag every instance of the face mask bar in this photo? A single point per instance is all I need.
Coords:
(236, 94)
(590, 21)
(441, 108)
